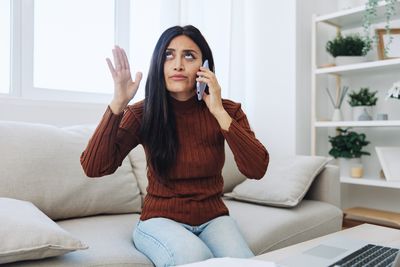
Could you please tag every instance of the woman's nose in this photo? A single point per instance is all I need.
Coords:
(178, 64)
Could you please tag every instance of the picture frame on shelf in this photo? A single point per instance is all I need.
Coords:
(383, 41)
(389, 159)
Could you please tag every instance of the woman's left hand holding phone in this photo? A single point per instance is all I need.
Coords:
(124, 88)
(213, 100)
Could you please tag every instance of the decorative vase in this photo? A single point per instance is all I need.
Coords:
(362, 113)
(337, 115)
(346, 166)
(346, 60)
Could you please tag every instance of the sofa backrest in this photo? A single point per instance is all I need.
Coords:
(41, 164)
(326, 186)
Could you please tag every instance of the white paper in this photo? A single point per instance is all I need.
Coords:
(230, 262)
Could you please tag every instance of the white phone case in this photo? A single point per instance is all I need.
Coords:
(200, 86)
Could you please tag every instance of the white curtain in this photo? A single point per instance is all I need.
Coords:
(151, 17)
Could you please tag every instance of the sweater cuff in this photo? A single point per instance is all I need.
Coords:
(110, 121)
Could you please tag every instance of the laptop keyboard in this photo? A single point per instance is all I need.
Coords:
(369, 255)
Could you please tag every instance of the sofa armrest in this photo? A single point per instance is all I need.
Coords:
(326, 186)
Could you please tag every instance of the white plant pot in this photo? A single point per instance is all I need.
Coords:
(337, 115)
(362, 113)
(346, 165)
(346, 60)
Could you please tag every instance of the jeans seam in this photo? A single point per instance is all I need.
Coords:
(155, 240)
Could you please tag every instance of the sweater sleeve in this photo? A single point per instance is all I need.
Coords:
(113, 139)
(250, 155)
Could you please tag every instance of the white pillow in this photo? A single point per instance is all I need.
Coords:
(26, 233)
(41, 164)
(285, 183)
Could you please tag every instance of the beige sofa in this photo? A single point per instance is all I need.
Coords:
(40, 164)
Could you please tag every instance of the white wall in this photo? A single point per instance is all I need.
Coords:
(270, 47)
(304, 11)
(265, 53)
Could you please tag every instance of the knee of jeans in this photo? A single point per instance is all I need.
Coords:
(192, 254)
(153, 249)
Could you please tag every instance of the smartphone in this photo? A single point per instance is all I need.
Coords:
(200, 86)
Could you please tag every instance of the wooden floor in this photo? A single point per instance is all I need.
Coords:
(347, 223)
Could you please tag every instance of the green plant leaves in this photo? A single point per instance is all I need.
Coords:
(351, 45)
(363, 98)
(348, 144)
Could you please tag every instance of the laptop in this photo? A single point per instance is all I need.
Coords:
(340, 251)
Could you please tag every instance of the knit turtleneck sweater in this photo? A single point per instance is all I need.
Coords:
(193, 192)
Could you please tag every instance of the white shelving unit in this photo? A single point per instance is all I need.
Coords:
(375, 67)
(388, 123)
(347, 20)
(370, 181)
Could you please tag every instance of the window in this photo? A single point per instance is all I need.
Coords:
(59, 47)
(72, 38)
(5, 46)
(158, 15)
(143, 39)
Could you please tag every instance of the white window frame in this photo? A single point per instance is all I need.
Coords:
(22, 43)
(22, 49)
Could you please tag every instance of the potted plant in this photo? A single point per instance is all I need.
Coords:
(362, 103)
(349, 49)
(347, 146)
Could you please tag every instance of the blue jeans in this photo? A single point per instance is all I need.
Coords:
(168, 243)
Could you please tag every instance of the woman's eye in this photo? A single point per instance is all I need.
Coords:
(189, 55)
(168, 55)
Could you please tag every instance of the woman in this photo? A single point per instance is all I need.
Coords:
(184, 218)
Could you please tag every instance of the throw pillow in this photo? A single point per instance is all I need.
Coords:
(41, 164)
(285, 183)
(26, 233)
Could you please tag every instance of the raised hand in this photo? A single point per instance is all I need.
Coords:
(124, 88)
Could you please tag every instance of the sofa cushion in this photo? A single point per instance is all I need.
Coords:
(286, 182)
(139, 167)
(26, 233)
(41, 164)
(109, 238)
(230, 172)
(267, 228)
(264, 228)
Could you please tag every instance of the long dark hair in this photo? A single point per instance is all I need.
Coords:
(158, 131)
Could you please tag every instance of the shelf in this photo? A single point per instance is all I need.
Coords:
(365, 67)
(388, 123)
(353, 17)
(370, 181)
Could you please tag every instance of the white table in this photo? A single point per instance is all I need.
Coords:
(372, 233)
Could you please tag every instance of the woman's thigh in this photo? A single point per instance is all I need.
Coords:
(224, 239)
(167, 243)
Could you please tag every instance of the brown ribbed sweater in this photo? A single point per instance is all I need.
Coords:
(193, 194)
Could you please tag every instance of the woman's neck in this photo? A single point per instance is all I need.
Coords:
(182, 96)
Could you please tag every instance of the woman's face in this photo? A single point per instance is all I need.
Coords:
(182, 61)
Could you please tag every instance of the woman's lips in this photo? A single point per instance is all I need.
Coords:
(178, 77)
